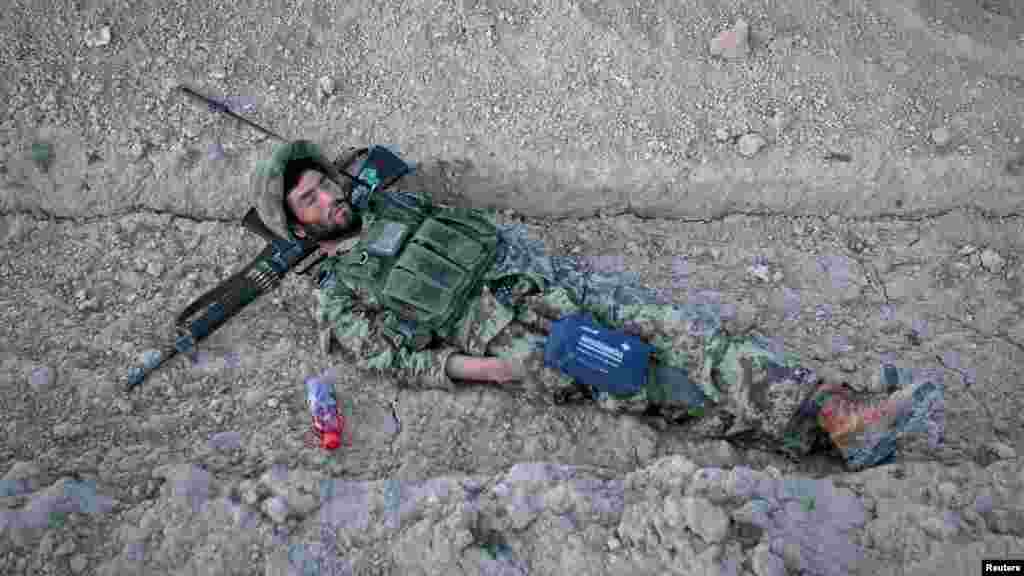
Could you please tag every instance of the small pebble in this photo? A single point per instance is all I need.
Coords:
(123, 405)
(43, 378)
(78, 563)
(992, 261)
(761, 272)
(277, 509)
(751, 144)
(941, 136)
(721, 134)
(781, 121)
(733, 43)
(98, 38)
(254, 396)
(272, 403)
(326, 87)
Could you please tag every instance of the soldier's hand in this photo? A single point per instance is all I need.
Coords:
(484, 369)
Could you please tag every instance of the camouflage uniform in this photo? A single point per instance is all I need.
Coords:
(751, 387)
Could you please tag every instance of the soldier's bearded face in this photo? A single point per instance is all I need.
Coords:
(321, 207)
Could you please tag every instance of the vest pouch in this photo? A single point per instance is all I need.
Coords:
(385, 238)
(415, 297)
(446, 240)
(432, 268)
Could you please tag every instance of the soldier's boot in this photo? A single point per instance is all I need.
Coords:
(866, 431)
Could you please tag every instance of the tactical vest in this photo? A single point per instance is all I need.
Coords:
(423, 263)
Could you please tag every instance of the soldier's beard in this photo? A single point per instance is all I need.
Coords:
(332, 231)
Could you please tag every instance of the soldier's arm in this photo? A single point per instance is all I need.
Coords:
(438, 367)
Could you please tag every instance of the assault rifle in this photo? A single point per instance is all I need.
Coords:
(220, 304)
(214, 308)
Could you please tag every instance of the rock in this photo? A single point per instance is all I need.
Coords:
(614, 544)
(25, 475)
(967, 250)
(123, 405)
(154, 268)
(992, 261)
(941, 136)
(272, 403)
(791, 556)
(1002, 451)
(136, 151)
(751, 144)
(732, 44)
(754, 512)
(254, 397)
(215, 151)
(251, 492)
(847, 365)
(98, 38)
(764, 563)
(90, 305)
(760, 272)
(710, 483)
(228, 440)
(941, 528)
(43, 378)
(670, 473)
(276, 508)
(218, 74)
(708, 521)
(326, 85)
(722, 453)
(780, 121)
(78, 563)
(721, 134)
(299, 489)
(949, 495)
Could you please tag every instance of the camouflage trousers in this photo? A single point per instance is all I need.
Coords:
(749, 386)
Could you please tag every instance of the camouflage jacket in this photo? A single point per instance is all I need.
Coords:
(751, 386)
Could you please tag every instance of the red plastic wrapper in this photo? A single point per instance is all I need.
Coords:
(328, 423)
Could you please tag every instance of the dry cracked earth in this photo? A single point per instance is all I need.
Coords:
(846, 175)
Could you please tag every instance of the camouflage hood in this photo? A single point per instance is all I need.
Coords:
(268, 182)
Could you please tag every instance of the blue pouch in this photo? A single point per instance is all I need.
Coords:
(608, 361)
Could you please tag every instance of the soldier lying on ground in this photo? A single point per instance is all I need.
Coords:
(498, 333)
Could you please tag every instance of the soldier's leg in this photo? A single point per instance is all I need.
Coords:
(683, 336)
(764, 388)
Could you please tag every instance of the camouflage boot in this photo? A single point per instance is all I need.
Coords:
(867, 431)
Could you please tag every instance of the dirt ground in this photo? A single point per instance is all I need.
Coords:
(847, 175)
